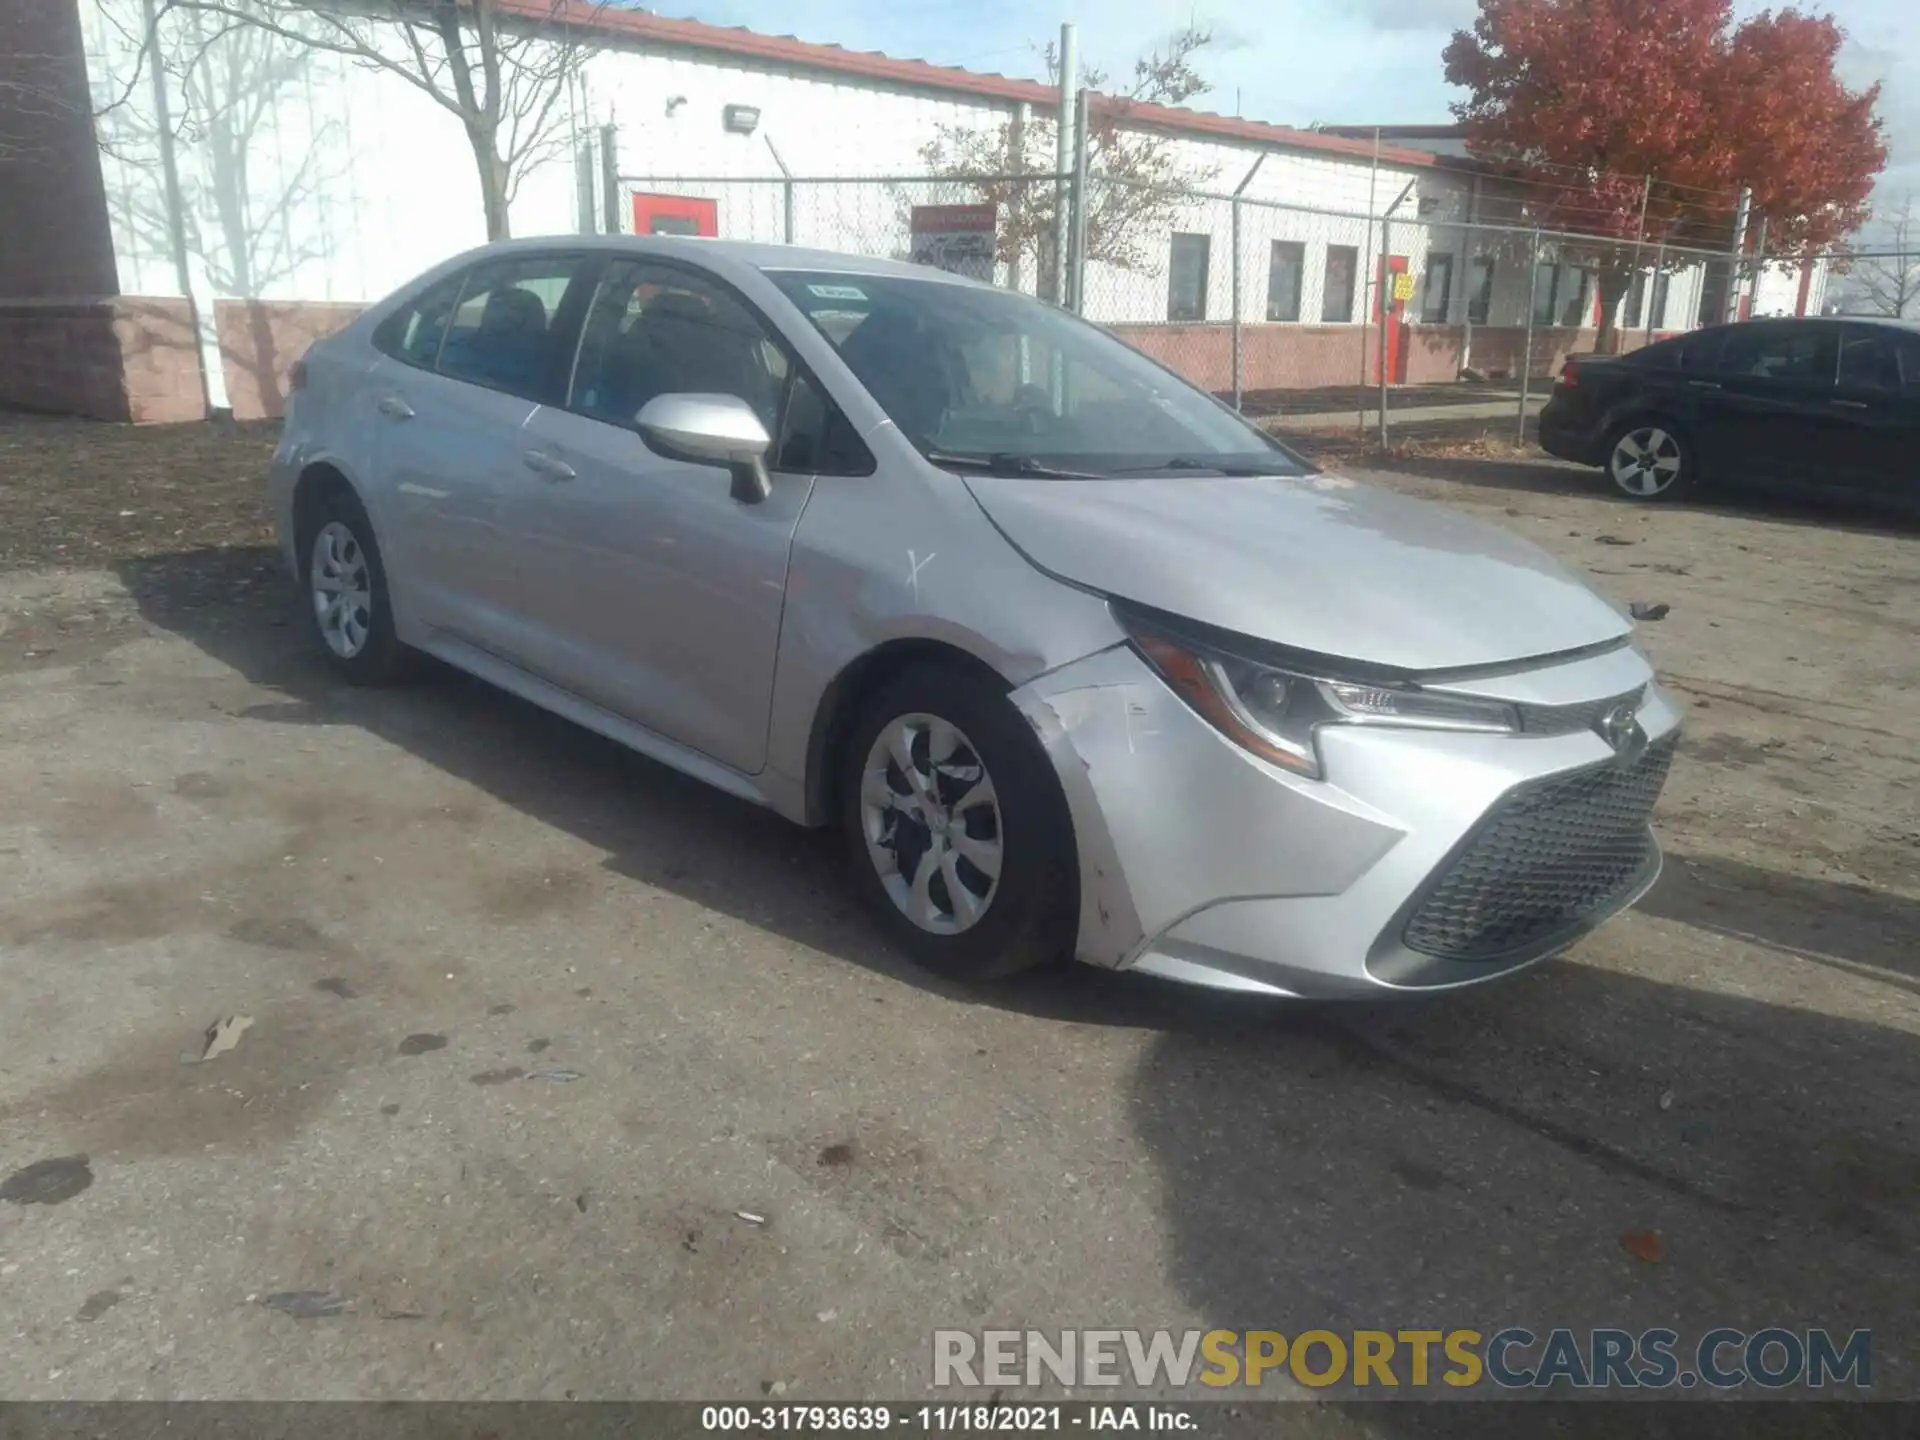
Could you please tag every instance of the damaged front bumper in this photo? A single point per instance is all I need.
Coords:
(1203, 863)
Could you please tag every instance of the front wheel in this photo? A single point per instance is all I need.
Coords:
(956, 830)
(1649, 460)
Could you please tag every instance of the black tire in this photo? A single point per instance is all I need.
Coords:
(1031, 911)
(380, 659)
(1662, 443)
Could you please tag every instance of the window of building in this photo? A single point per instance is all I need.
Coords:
(1805, 354)
(1713, 294)
(1575, 295)
(1636, 301)
(1480, 290)
(1562, 295)
(1336, 295)
(1438, 294)
(1657, 306)
(1187, 278)
(1286, 268)
(1544, 275)
(504, 334)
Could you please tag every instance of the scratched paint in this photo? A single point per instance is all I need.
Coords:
(914, 566)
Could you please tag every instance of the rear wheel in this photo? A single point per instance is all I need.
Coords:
(1649, 460)
(955, 827)
(346, 595)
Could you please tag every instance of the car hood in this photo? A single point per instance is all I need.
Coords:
(1316, 562)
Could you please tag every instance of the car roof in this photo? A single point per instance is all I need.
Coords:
(1912, 327)
(755, 255)
(1726, 327)
(1888, 321)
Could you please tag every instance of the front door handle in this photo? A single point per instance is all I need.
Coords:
(1852, 404)
(1704, 384)
(547, 465)
(396, 406)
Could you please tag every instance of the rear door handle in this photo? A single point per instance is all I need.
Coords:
(1853, 404)
(1704, 384)
(547, 465)
(395, 406)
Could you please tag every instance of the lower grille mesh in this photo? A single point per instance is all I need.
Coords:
(1546, 857)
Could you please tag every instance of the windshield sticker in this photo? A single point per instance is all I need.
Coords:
(837, 292)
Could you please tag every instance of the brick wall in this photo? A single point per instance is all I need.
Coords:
(260, 340)
(1272, 357)
(160, 355)
(136, 358)
(112, 359)
(1312, 357)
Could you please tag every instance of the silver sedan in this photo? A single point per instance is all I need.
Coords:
(1078, 661)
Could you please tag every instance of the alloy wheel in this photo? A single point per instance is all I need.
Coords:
(1646, 461)
(341, 589)
(932, 824)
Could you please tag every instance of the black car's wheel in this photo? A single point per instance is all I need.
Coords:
(345, 591)
(1649, 460)
(954, 823)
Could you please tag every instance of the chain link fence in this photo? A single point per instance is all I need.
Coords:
(996, 228)
(1416, 322)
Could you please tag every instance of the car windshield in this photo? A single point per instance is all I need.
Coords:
(992, 380)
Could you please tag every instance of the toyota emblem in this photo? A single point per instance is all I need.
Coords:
(1620, 728)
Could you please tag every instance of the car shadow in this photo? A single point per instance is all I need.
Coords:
(1576, 1147)
(652, 824)
(1497, 1157)
(1828, 922)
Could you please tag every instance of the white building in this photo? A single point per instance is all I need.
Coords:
(310, 184)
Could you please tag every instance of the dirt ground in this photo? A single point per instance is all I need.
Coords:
(569, 1078)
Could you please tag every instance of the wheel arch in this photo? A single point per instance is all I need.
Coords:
(1642, 413)
(859, 678)
(324, 476)
(317, 480)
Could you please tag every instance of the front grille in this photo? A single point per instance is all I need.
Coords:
(1545, 858)
(1571, 719)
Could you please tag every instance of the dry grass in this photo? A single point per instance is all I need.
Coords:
(78, 493)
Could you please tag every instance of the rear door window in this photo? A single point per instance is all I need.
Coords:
(1801, 354)
(508, 332)
(1880, 359)
(1687, 352)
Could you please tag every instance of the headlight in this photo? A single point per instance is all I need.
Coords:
(1277, 713)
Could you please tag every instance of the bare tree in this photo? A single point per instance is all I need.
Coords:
(503, 68)
(1886, 271)
(39, 93)
(252, 227)
(1142, 180)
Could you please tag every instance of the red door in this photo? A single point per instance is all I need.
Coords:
(1393, 306)
(675, 215)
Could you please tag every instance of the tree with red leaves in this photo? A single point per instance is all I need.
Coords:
(1640, 120)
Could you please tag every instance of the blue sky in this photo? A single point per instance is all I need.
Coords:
(1289, 61)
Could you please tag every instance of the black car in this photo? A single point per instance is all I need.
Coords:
(1831, 405)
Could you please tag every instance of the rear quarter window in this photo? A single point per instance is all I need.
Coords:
(413, 332)
(1661, 355)
(1699, 351)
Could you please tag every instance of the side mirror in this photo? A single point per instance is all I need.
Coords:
(711, 430)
